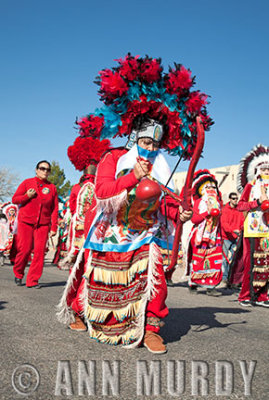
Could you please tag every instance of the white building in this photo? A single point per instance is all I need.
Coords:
(226, 177)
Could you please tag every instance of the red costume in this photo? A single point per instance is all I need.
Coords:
(73, 198)
(205, 248)
(254, 178)
(260, 290)
(37, 216)
(82, 206)
(125, 291)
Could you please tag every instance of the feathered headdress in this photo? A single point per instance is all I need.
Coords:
(86, 151)
(200, 177)
(138, 88)
(249, 167)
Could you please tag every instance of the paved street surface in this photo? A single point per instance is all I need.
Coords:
(199, 328)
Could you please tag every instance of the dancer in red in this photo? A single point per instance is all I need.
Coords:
(11, 212)
(125, 291)
(253, 183)
(205, 245)
(85, 154)
(38, 215)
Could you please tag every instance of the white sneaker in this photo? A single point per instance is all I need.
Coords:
(262, 303)
(245, 303)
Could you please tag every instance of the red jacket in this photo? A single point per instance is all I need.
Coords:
(231, 219)
(107, 185)
(41, 209)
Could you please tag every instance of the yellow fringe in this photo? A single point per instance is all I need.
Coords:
(88, 272)
(114, 340)
(197, 275)
(261, 269)
(119, 277)
(129, 311)
(259, 284)
(79, 242)
(261, 255)
(79, 227)
(99, 315)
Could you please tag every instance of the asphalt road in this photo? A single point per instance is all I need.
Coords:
(216, 349)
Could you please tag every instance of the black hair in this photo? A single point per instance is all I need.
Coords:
(43, 161)
(141, 122)
(232, 194)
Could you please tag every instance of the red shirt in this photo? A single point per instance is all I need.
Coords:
(41, 209)
(231, 220)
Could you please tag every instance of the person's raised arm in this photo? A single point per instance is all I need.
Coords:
(106, 184)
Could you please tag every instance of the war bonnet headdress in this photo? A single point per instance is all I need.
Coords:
(249, 167)
(138, 88)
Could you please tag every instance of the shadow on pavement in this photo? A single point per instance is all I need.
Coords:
(2, 304)
(50, 284)
(222, 291)
(181, 320)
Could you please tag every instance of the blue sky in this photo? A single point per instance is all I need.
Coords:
(52, 51)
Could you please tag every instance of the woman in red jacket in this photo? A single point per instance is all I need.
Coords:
(38, 213)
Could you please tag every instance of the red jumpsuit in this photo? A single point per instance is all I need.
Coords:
(36, 217)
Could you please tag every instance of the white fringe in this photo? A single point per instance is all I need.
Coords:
(153, 281)
(64, 264)
(153, 278)
(65, 313)
(112, 204)
(84, 296)
(140, 323)
(185, 255)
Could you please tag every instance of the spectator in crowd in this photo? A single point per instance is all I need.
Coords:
(231, 225)
(38, 215)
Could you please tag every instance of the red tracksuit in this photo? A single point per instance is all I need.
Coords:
(36, 217)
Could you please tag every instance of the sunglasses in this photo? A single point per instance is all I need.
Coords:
(234, 198)
(44, 169)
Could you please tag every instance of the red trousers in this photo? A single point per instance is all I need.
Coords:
(74, 295)
(261, 293)
(30, 237)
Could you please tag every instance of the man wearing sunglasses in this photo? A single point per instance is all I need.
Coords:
(38, 214)
(231, 225)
